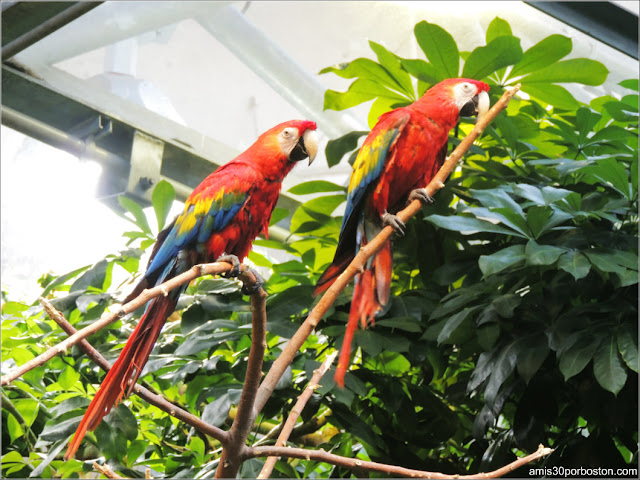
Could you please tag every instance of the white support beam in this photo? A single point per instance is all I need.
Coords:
(271, 63)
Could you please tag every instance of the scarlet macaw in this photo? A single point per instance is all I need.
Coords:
(402, 153)
(220, 220)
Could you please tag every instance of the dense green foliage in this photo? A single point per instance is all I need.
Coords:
(513, 320)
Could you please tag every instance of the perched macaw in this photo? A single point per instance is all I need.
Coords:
(399, 157)
(220, 220)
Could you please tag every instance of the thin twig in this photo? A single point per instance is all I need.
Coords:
(394, 471)
(288, 353)
(296, 411)
(230, 460)
(156, 400)
(106, 470)
(191, 274)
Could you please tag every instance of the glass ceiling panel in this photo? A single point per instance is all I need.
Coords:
(230, 70)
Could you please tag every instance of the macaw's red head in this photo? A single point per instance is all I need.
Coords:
(295, 140)
(469, 96)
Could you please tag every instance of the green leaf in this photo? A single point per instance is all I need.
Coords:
(408, 324)
(162, 200)
(339, 147)
(554, 95)
(607, 367)
(499, 53)
(577, 356)
(468, 225)
(532, 352)
(452, 328)
(440, 49)
(610, 172)
(575, 70)
(278, 215)
(502, 259)
(631, 84)
(137, 212)
(575, 263)
(504, 365)
(505, 304)
(498, 28)
(422, 70)
(217, 411)
(315, 186)
(391, 62)
(628, 348)
(542, 254)
(546, 52)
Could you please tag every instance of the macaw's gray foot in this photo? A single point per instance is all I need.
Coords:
(395, 223)
(256, 286)
(233, 260)
(422, 195)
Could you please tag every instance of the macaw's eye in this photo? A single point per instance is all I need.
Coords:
(467, 87)
(287, 132)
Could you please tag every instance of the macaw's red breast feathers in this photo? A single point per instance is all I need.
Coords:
(223, 215)
(402, 153)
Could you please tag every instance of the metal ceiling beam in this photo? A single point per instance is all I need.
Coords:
(69, 113)
(604, 21)
(44, 29)
(280, 71)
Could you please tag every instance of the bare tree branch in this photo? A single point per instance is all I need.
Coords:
(156, 400)
(288, 353)
(296, 411)
(191, 274)
(357, 464)
(230, 460)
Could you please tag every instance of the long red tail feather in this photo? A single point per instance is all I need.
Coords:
(125, 371)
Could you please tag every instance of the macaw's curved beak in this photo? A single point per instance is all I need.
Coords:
(307, 146)
(478, 105)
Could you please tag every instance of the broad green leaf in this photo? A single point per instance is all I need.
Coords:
(28, 408)
(575, 358)
(575, 263)
(631, 84)
(449, 332)
(505, 258)
(542, 254)
(162, 200)
(628, 348)
(468, 225)
(342, 100)
(315, 186)
(538, 219)
(497, 197)
(607, 367)
(531, 354)
(422, 70)
(610, 172)
(499, 53)
(503, 366)
(552, 94)
(337, 148)
(439, 47)
(363, 68)
(575, 70)
(498, 28)
(544, 53)
(408, 324)
(505, 304)
(278, 215)
(217, 411)
(137, 212)
(391, 62)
